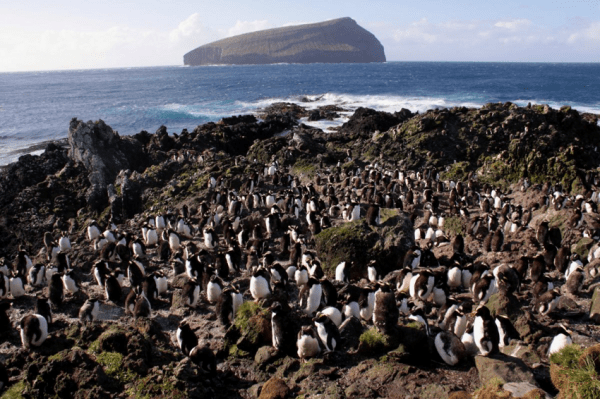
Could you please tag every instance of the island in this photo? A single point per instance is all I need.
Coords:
(336, 41)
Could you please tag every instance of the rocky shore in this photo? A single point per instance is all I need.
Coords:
(395, 192)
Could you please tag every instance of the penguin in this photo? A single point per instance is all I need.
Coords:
(278, 274)
(186, 338)
(421, 285)
(547, 302)
(214, 289)
(541, 233)
(89, 311)
(366, 303)
(307, 343)
(150, 236)
(42, 307)
(301, 276)
(259, 284)
(162, 284)
(373, 272)
(112, 289)
(329, 295)
(93, 230)
(385, 311)
(328, 332)
(342, 273)
(64, 243)
(484, 288)
(70, 282)
(506, 331)
(37, 275)
(138, 248)
(419, 316)
(204, 358)
(485, 332)
(310, 296)
(210, 238)
(575, 280)
(403, 280)
(22, 263)
(454, 277)
(560, 341)
(229, 302)
(142, 307)
(334, 314)
(135, 275)
(130, 302)
(149, 288)
(100, 271)
(497, 240)
(278, 326)
(17, 285)
(450, 348)
(191, 293)
(34, 330)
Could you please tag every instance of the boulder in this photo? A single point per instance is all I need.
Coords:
(275, 388)
(104, 154)
(504, 368)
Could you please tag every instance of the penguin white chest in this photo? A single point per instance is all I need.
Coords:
(259, 287)
(314, 299)
(16, 287)
(213, 292)
(308, 347)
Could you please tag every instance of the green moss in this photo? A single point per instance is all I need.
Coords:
(15, 391)
(458, 171)
(454, 225)
(493, 389)
(373, 339)
(112, 363)
(305, 167)
(567, 356)
(234, 351)
(582, 247)
(154, 386)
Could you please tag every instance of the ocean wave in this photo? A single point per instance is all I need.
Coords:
(556, 105)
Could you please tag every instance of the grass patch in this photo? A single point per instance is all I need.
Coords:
(454, 225)
(457, 171)
(492, 390)
(373, 340)
(112, 364)
(154, 386)
(305, 167)
(574, 374)
(15, 391)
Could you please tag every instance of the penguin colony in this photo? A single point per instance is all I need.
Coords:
(256, 244)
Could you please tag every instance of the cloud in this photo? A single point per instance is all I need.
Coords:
(242, 27)
(490, 40)
(515, 24)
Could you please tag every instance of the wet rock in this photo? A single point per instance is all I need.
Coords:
(275, 388)
(524, 389)
(503, 368)
(525, 352)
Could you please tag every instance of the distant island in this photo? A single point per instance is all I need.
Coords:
(336, 41)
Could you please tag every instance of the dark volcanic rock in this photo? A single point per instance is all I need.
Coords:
(104, 154)
(335, 41)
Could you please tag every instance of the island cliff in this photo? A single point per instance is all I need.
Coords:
(335, 41)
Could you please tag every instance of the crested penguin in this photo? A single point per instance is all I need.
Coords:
(259, 284)
(560, 341)
(112, 289)
(56, 290)
(547, 302)
(37, 275)
(204, 358)
(149, 288)
(191, 293)
(4, 285)
(485, 332)
(342, 274)
(142, 307)
(506, 331)
(70, 282)
(64, 243)
(214, 289)
(162, 284)
(186, 338)
(229, 302)
(421, 285)
(385, 311)
(17, 285)
(93, 230)
(89, 311)
(307, 343)
(34, 330)
(334, 314)
(278, 325)
(328, 332)
(449, 347)
(42, 307)
(310, 296)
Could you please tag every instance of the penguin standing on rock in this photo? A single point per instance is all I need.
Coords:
(307, 343)
(142, 307)
(56, 291)
(191, 293)
(279, 326)
(42, 307)
(70, 282)
(229, 302)
(385, 311)
(204, 358)
(89, 311)
(485, 332)
(328, 332)
(112, 289)
(186, 338)
(506, 331)
(310, 296)
(34, 330)
(259, 284)
(449, 347)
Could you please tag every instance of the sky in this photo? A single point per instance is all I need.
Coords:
(75, 34)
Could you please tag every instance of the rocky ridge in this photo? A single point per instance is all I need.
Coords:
(123, 180)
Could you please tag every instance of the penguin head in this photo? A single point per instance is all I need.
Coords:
(483, 312)
(320, 318)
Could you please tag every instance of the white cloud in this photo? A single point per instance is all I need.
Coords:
(242, 27)
(589, 34)
(419, 31)
(515, 24)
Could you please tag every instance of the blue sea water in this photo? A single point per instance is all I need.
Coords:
(37, 106)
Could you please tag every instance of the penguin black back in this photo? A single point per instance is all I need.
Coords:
(42, 307)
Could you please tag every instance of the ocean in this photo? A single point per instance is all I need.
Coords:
(36, 107)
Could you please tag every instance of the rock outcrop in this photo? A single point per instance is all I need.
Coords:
(336, 41)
